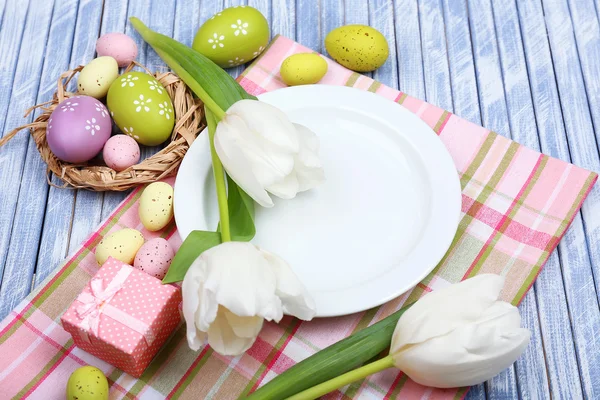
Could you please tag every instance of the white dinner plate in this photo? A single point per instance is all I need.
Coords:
(381, 222)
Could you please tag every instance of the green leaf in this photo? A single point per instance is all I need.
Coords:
(195, 244)
(241, 212)
(332, 361)
(209, 81)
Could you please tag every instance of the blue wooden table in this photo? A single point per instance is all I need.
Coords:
(528, 69)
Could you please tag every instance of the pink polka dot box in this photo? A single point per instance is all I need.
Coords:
(123, 316)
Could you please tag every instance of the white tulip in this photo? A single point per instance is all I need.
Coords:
(231, 289)
(461, 335)
(264, 152)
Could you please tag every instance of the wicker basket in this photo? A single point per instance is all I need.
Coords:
(188, 124)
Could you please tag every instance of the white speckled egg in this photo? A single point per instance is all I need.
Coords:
(78, 128)
(154, 257)
(118, 46)
(97, 76)
(156, 206)
(122, 245)
(121, 152)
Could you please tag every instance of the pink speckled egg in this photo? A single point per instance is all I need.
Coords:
(78, 128)
(154, 257)
(121, 152)
(118, 46)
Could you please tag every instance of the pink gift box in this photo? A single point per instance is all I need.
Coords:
(123, 316)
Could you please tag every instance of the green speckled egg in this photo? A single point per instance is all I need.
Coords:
(357, 47)
(87, 383)
(141, 108)
(233, 36)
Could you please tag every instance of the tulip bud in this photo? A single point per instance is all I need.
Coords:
(231, 289)
(458, 336)
(264, 152)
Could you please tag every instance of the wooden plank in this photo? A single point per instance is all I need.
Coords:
(308, 32)
(265, 7)
(21, 221)
(54, 239)
(531, 368)
(114, 19)
(187, 22)
(332, 16)
(460, 61)
(283, 18)
(356, 12)
(408, 48)
(381, 17)
(587, 38)
(435, 55)
(487, 67)
(574, 250)
(551, 297)
(494, 116)
(2, 8)
(11, 33)
(88, 205)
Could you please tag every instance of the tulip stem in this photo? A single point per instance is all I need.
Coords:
(344, 379)
(219, 177)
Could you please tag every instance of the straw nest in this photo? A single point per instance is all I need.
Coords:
(93, 175)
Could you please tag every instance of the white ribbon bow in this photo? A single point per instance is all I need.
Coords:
(96, 302)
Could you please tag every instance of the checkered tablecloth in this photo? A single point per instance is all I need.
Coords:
(517, 205)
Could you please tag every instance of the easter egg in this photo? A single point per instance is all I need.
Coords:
(303, 69)
(121, 152)
(122, 245)
(78, 128)
(156, 206)
(233, 36)
(141, 108)
(154, 257)
(96, 77)
(357, 47)
(87, 383)
(118, 46)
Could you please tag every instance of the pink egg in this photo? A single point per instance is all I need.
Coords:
(121, 152)
(154, 257)
(78, 128)
(118, 46)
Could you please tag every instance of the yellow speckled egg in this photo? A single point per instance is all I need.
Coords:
(121, 245)
(97, 76)
(156, 206)
(87, 383)
(357, 47)
(303, 69)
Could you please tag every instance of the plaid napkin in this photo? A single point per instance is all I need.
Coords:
(517, 204)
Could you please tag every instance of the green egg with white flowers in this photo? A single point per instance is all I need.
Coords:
(141, 108)
(233, 36)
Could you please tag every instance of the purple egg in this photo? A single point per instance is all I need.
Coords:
(78, 128)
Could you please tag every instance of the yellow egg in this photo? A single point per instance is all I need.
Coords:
(87, 383)
(357, 47)
(156, 206)
(121, 245)
(97, 76)
(303, 69)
